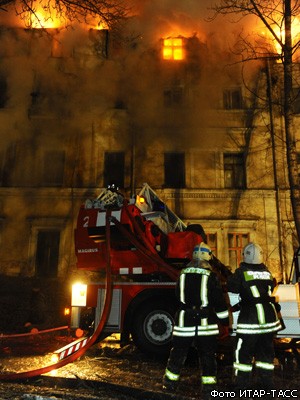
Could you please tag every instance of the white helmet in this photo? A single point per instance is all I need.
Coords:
(253, 254)
(202, 252)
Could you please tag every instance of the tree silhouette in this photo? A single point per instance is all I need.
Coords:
(277, 17)
(108, 12)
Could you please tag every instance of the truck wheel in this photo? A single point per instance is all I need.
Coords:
(152, 327)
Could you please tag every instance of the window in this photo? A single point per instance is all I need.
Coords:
(173, 49)
(99, 39)
(296, 100)
(236, 243)
(174, 165)
(3, 92)
(234, 171)
(232, 99)
(114, 168)
(173, 96)
(47, 253)
(298, 164)
(212, 242)
(53, 171)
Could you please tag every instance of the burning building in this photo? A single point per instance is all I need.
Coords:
(82, 108)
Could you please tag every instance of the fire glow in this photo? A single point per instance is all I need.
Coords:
(280, 33)
(43, 16)
(173, 49)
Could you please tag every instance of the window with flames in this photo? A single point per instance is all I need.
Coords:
(173, 49)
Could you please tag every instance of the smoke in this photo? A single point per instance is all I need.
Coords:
(138, 80)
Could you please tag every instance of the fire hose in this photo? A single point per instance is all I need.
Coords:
(91, 340)
(145, 249)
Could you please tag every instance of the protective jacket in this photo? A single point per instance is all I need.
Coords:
(258, 313)
(202, 302)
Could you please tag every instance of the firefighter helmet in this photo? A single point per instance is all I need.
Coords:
(202, 252)
(253, 254)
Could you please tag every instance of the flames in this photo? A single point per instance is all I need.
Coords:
(280, 34)
(173, 48)
(44, 15)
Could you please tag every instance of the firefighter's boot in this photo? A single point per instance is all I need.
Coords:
(209, 385)
(242, 381)
(168, 385)
(209, 391)
(265, 379)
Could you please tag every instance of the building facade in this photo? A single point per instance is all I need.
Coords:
(83, 108)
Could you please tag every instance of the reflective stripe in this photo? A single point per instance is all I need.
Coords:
(254, 291)
(190, 331)
(260, 313)
(204, 297)
(264, 365)
(194, 270)
(208, 380)
(242, 367)
(255, 326)
(170, 375)
(238, 348)
(250, 329)
(223, 314)
(181, 318)
(182, 288)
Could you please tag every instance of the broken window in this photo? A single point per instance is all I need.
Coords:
(232, 99)
(53, 169)
(114, 168)
(47, 253)
(236, 243)
(99, 39)
(174, 165)
(234, 171)
(172, 49)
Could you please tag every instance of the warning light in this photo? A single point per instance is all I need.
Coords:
(67, 311)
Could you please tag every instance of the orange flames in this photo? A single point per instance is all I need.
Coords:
(280, 33)
(45, 15)
(173, 49)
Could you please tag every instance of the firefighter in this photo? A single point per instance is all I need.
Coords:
(202, 307)
(258, 320)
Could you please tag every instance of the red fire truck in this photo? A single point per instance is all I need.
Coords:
(144, 245)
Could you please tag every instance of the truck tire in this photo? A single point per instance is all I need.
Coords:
(152, 327)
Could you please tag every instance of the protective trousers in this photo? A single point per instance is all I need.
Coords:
(206, 347)
(260, 347)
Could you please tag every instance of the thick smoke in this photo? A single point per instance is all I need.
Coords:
(137, 74)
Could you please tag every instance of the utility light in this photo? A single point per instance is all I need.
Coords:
(79, 292)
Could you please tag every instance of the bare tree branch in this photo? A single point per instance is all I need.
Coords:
(108, 12)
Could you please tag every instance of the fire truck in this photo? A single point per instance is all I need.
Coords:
(144, 245)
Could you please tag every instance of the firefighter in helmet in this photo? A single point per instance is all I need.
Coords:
(258, 320)
(202, 307)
